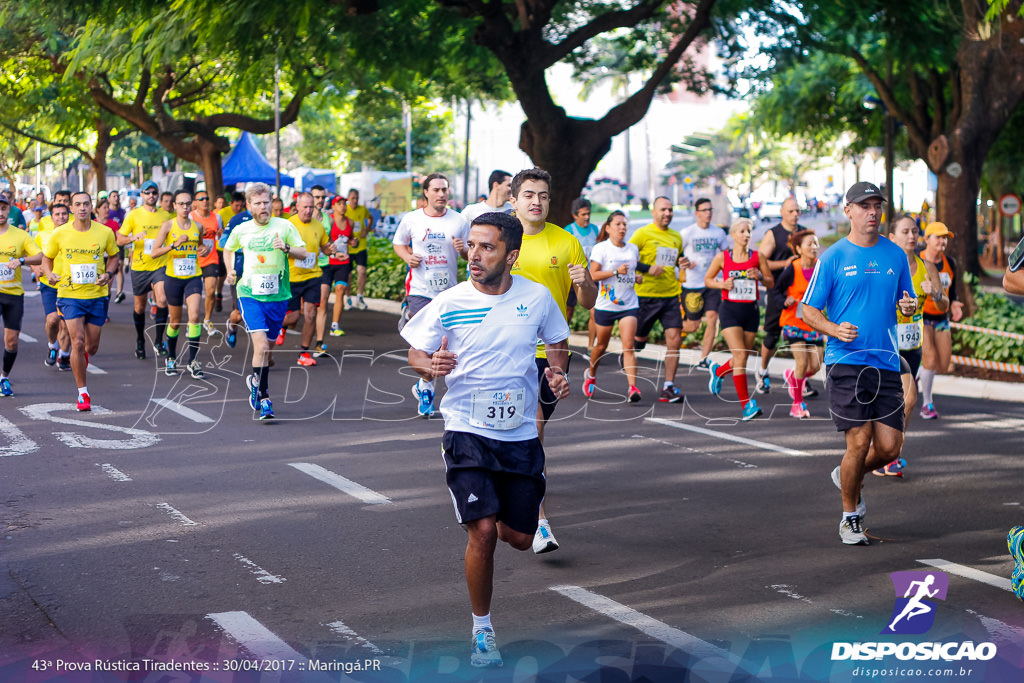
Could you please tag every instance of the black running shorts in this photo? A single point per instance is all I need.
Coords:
(490, 477)
(862, 393)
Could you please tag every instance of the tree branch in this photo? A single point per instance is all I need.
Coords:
(645, 9)
(44, 141)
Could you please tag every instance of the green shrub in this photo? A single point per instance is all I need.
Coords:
(385, 271)
(997, 312)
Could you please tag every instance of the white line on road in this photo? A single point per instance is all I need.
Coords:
(94, 370)
(31, 293)
(341, 483)
(27, 338)
(185, 521)
(645, 624)
(184, 411)
(729, 437)
(969, 573)
(342, 630)
(254, 636)
(19, 444)
(113, 472)
(261, 574)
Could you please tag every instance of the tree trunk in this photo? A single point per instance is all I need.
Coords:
(98, 161)
(209, 161)
(569, 149)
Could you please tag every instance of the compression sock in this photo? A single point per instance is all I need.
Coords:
(161, 324)
(927, 377)
(9, 357)
(195, 331)
(724, 369)
(739, 379)
(264, 381)
(140, 325)
(172, 342)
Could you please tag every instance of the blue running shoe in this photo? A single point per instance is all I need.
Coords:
(51, 357)
(751, 410)
(426, 401)
(266, 409)
(5, 387)
(254, 391)
(1015, 544)
(714, 382)
(764, 383)
(232, 337)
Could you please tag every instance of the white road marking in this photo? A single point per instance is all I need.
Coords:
(254, 636)
(27, 338)
(31, 293)
(184, 411)
(341, 483)
(969, 573)
(344, 631)
(113, 472)
(42, 411)
(729, 437)
(648, 625)
(261, 574)
(19, 443)
(94, 370)
(738, 463)
(176, 514)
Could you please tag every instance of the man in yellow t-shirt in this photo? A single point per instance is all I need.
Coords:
(58, 343)
(362, 226)
(555, 259)
(305, 274)
(660, 247)
(90, 262)
(141, 227)
(16, 249)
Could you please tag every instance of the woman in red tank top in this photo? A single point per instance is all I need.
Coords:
(738, 313)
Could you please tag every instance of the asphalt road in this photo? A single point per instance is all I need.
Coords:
(176, 527)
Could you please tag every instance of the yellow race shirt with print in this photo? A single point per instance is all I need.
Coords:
(359, 216)
(14, 244)
(658, 247)
(183, 261)
(45, 230)
(545, 258)
(313, 236)
(83, 256)
(149, 222)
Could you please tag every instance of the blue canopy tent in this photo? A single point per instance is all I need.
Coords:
(245, 164)
(308, 177)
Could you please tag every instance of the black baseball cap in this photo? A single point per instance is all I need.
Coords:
(861, 191)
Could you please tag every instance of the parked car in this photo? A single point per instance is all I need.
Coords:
(771, 211)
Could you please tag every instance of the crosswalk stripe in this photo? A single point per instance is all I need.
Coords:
(650, 626)
(184, 411)
(969, 573)
(254, 636)
(28, 338)
(730, 437)
(341, 483)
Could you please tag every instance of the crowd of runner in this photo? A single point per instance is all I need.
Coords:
(873, 309)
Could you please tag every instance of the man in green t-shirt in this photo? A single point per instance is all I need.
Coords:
(264, 288)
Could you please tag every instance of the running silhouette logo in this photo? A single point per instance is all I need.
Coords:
(914, 611)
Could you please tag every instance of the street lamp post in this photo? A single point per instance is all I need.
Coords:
(872, 102)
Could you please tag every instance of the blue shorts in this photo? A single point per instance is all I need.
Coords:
(263, 316)
(93, 310)
(49, 296)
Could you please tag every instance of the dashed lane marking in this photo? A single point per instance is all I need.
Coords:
(261, 574)
(254, 636)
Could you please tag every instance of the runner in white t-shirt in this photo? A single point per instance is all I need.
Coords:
(701, 243)
(499, 189)
(430, 240)
(482, 337)
(613, 267)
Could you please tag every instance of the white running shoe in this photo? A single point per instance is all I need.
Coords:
(544, 541)
(484, 649)
(851, 533)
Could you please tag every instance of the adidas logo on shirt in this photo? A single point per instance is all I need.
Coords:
(472, 498)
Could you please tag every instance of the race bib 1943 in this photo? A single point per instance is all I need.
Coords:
(909, 335)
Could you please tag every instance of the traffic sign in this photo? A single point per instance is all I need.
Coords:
(1009, 204)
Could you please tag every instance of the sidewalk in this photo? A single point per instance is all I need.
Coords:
(946, 385)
